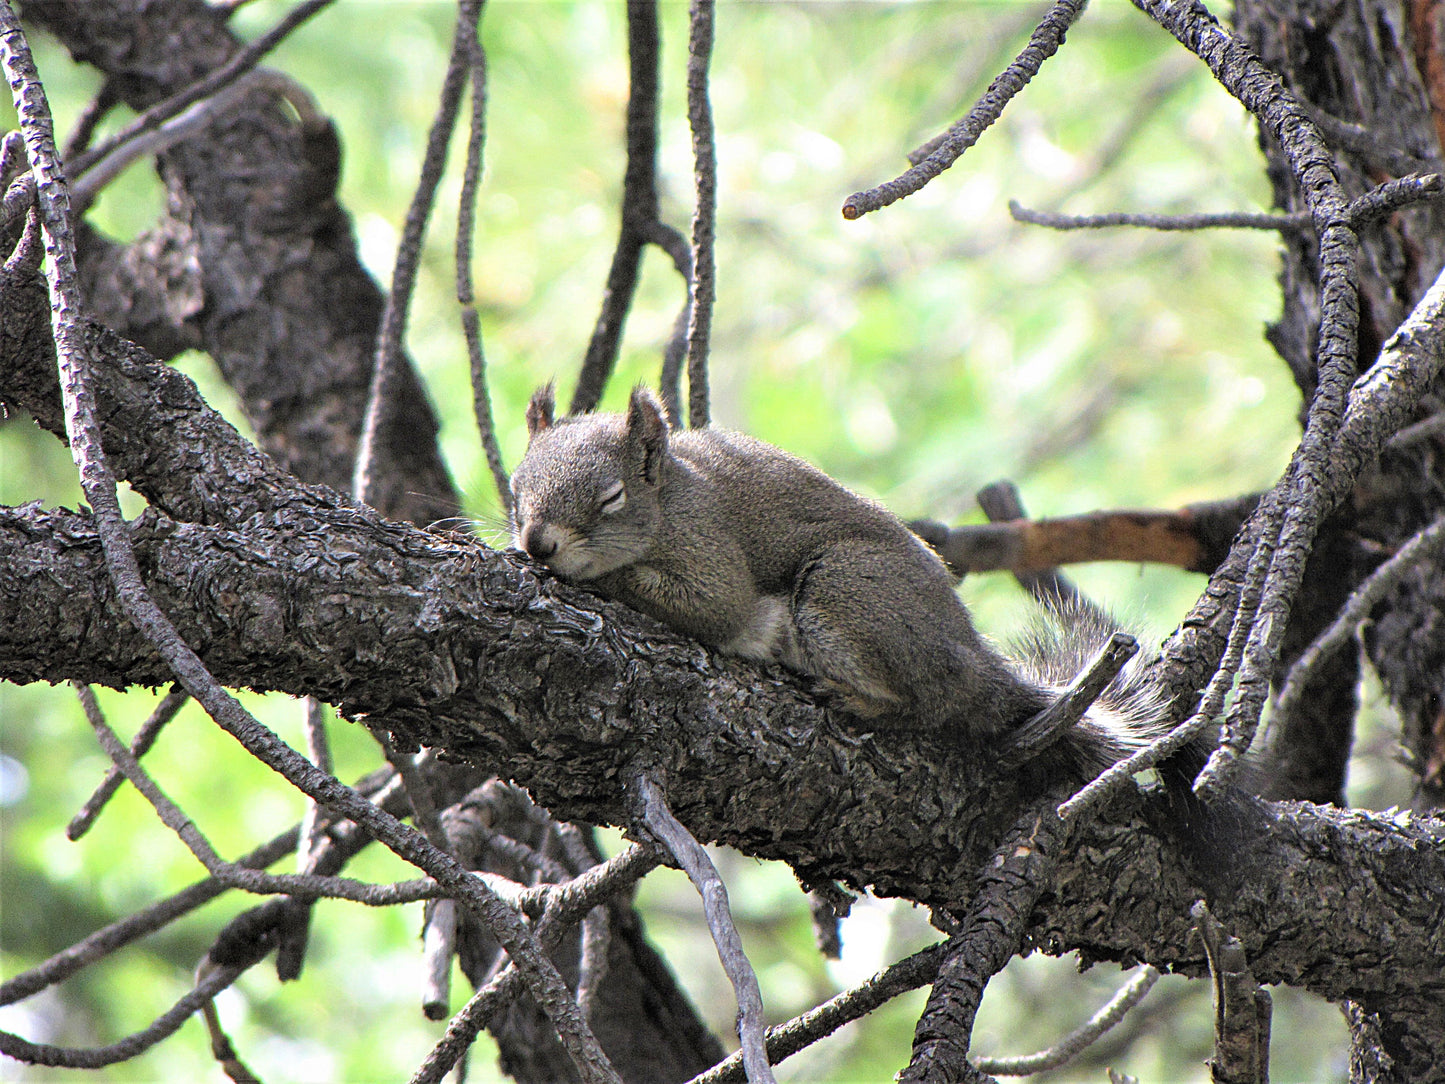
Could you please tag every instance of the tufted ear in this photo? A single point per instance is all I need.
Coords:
(646, 433)
(541, 410)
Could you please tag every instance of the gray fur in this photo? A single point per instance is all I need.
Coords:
(750, 549)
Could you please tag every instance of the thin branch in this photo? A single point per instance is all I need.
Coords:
(561, 906)
(1043, 43)
(232, 70)
(144, 738)
(165, 1025)
(1240, 220)
(305, 886)
(803, 1031)
(1076, 1042)
(694, 860)
(1422, 547)
(99, 172)
(99, 485)
(466, 294)
(386, 367)
(703, 288)
(639, 207)
(1366, 143)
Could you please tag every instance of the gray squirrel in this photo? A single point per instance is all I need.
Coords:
(753, 551)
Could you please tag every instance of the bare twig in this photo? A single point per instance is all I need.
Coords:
(561, 906)
(1043, 43)
(233, 69)
(295, 927)
(386, 367)
(144, 738)
(1422, 547)
(694, 860)
(704, 215)
(98, 1057)
(1054, 722)
(1239, 220)
(818, 1023)
(466, 294)
(438, 948)
(99, 485)
(1073, 1044)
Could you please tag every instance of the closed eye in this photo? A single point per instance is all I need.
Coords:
(613, 500)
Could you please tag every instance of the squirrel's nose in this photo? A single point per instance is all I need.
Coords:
(539, 542)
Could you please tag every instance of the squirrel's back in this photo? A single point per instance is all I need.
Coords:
(748, 548)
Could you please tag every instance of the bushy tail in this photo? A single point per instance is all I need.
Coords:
(1062, 640)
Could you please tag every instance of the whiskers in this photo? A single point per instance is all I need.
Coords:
(494, 527)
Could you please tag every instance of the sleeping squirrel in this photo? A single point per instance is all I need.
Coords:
(755, 552)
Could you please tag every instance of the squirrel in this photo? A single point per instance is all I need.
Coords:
(756, 553)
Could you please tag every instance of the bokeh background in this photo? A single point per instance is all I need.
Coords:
(917, 355)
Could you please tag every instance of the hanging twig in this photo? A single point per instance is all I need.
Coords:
(466, 294)
(639, 207)
(386, 366)
(694, 860)
(703, 287)
(99, 486)
(1043, 43)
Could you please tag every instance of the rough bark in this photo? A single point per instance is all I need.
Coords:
(1375, 64)
(446, 643)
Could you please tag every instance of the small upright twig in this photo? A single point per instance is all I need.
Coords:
(1043, 43)
(693, 859)
(1053, 723)
(704, 217)
(1242, 1008)
(1002, 502)
(295, 924)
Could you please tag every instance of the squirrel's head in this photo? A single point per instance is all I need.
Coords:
(585, 496)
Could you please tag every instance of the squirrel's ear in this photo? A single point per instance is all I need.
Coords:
(647, 431)
(541, 410)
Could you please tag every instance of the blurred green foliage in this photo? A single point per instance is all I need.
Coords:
(916, 354)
